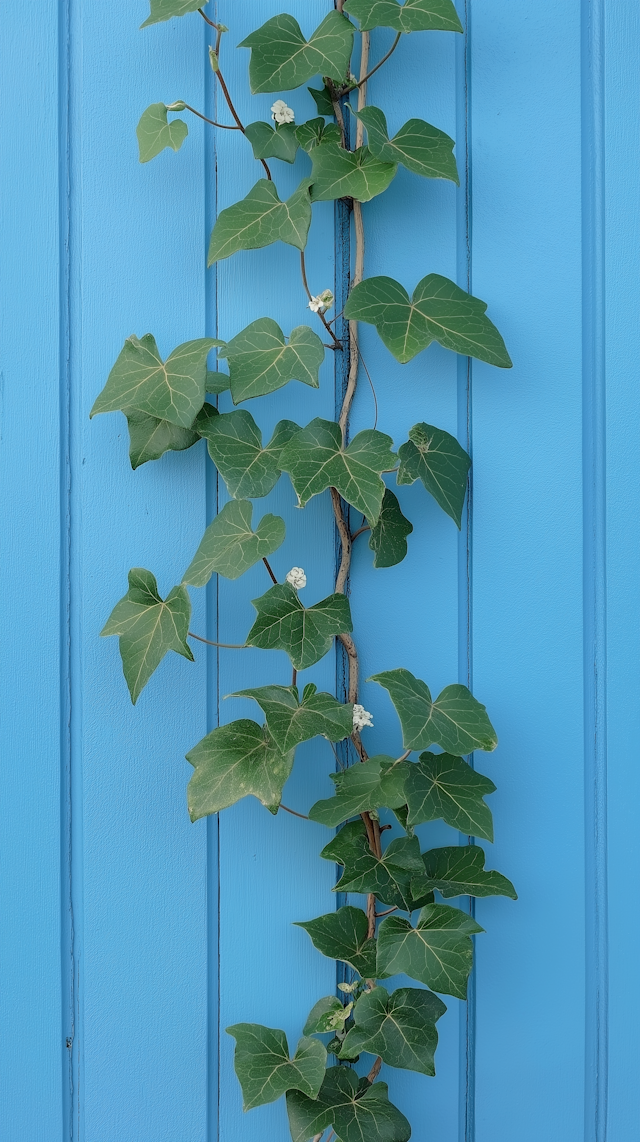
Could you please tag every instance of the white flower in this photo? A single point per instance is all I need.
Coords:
(281, 113)
(322, 302)
(297, 578)
(361, 717)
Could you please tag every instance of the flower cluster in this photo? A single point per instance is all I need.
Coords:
(281, 113)
(296, 578)
(361, 717)
(322, 302)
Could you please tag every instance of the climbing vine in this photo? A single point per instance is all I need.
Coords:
(331, 1080)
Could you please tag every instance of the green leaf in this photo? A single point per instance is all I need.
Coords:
(342, 935)
(414, 16)
(440, 785)
(338, 173)
(315, 459)
(261, 361)
(389, 877)
(357, 1111)
(150, 438)
(173, 390)
(229, 547)
(436, 458)
(235, 761)
(165, 9)
(264, 1068)
(323, 1016)
(401, 1028)
(368, 785)
(316, 131)
(322, 99)
(260, 219)
(155, 132)
(459, 871)
(455, 721)
(420, 148)
(273, 143)
(148, 627)
(306, 634)
(437, 952)
(438, 311)
(282, 59)
(291, 721)
(217, 383)
(235, 446)
(389, 535)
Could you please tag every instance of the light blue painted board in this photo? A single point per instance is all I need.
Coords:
(32, 539)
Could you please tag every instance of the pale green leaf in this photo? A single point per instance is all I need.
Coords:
(315, 460)
(281, 58)
(455, 721)
(342, 935)
(235, 761)
(388, 878)
(413, 16)
(400, 1027)
(325, 1015)
(438, 311)
(322, 99)
(420, 148)
(249, 470)
(261, 360)
(316, 131)
(306, 634)
(357, 1111)
(291, 721)
(260, 219)
(440, 785)
(437, 952)
(148, 627)
(155, 132)
(389, 535)
(150, 438)
(279, 142)
(458, 870)
(338, 173)
(367, 785)
(173, 390)
(165, 9)
(436, 458)
(230, 547)
(264, 1068)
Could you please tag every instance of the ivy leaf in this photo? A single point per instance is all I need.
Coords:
(437, 952)
(440, 785)
(438, 311)
(235, 761)
(401, 1027)
(216, 383)
(306, 634)
(282, 59)
(165, 9)
(338, 173)
(264, 1068)
(148, 627)
(260, 219)
(150, 438)
(455, 721)
(389, 877)
(315, 459)
(291, 721)
(323, 1014)
(229, 547)
(420, 148)
(261, 361)
(436, 458)
(322, 99)
(155, 132)
(389, 535)
(368, 785)
(413, 16)
(342, 935)
(458, 870)
(316, 131)
(354, 1108)
(235, 446)
(272, 143)
(173, 390)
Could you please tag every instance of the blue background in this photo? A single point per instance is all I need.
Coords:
(131, 938)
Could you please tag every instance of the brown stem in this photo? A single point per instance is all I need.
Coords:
(360, 530)
(227, 645)
(387, 911)
(225, 126)
(268, 567)
(303, 270)
(345, 540)
(375, 1070)
(337, 111)
(293, 812)
(384, 59)
(225, 92)
(294, 677)
(362, 86)
(206, 18)
(371, 916)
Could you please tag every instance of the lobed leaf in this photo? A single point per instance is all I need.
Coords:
(442, 786)
(356, 1110)
(306, 634)
(437, 952)
(389, 535)
(216, 383)
(279, 142)
(342, 935)
(165, 9)
(291, 721)
(264, 1069)
(438, 311)
(316, 131)
(260, 219)
(281, 58)
(388, 877)
(234, 761)
(155, 132)
(229, 547)
(413, 16)
(148, 627)
(235, 445)
(338, 173)
(436, 458)
(455, 721)
(261, 360)
(458, 870)
(420, 148)
(401, 1028)
(322, 99)
(368, 785)
(150, 438)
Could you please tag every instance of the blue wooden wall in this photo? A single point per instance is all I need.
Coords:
(129, 937)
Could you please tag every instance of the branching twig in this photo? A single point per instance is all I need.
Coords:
(303, 270)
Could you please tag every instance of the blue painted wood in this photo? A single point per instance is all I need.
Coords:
(131, 934)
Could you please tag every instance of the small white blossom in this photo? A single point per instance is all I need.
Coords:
(297, 578)
(322, 302)
(361, 717)
(281, 113)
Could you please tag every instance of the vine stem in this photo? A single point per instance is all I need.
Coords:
(383, 60)
(303, 270)
(224, 126)
(225, 645)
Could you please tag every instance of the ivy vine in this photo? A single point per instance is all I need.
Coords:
(166, 406)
